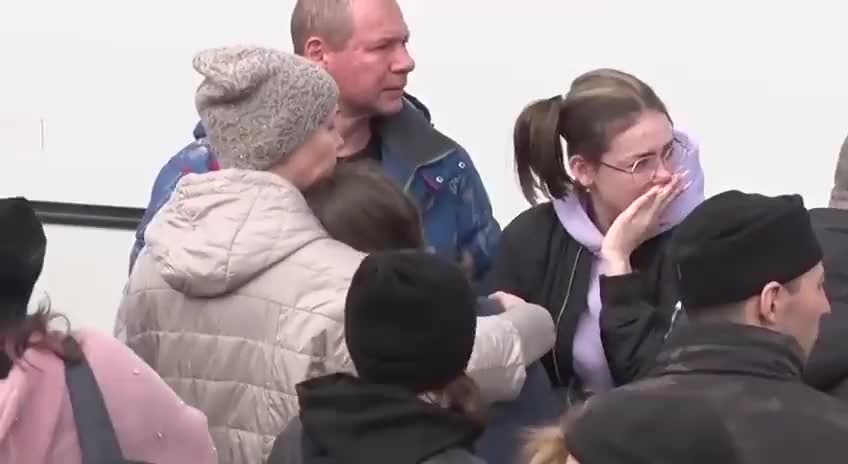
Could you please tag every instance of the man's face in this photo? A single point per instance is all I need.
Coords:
(802, 306)
(371, 69)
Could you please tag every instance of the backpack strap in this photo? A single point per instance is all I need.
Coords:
(97, 440)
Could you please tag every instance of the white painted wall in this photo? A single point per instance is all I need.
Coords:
(97, 94)
(84, 274)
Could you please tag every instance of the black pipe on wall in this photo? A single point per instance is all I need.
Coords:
(87, 215)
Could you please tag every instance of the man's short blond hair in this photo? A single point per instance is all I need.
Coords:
(330, 20)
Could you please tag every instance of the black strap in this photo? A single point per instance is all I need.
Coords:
(97, 440)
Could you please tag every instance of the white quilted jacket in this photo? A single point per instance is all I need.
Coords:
(239, 295)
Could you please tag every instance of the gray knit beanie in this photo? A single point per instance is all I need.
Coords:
(259, 105)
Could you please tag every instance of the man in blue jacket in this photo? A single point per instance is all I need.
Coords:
(362, 44)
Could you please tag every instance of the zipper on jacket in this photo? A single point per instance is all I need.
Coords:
(561, 311)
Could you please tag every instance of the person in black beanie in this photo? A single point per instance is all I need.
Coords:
(400, 302)
(755, 260)
(409, 327)
(750, 279)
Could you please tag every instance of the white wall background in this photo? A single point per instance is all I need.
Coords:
(97, 94)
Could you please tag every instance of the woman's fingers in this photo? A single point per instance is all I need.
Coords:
(646, 200)
(666, 195)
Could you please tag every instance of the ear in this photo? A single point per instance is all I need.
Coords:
(582, 171)
(770, 304)
(315, 50)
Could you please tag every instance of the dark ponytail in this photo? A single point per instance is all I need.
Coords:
(539, 159)
(599, 105)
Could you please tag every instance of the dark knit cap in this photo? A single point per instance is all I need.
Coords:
(650, 428)
(409, 320)
(22, 248)
(733, 244)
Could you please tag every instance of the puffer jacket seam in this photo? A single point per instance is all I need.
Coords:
(228, 428)
(282, 306)
(184, 379)
(259, 344)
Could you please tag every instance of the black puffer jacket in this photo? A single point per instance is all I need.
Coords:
(540, 262)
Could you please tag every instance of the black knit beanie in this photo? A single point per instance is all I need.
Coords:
(735, 243)
(409, 320)
(22, 249)
(650, 428)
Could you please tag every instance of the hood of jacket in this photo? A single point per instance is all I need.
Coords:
(221, 229)
(347, 420)
(572, 214)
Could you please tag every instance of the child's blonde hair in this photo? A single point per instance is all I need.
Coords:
(546, 445)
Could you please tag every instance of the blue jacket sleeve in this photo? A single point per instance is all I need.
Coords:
(195, 158)
(479, 231)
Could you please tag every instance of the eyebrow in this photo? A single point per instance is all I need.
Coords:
(650, 153)
(391, 38)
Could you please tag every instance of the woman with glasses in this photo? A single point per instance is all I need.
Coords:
(593, 255)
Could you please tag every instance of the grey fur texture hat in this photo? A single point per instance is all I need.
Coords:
(259, 105)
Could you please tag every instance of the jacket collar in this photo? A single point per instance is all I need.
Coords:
(199, 131)
(730, 349)
(410, 135)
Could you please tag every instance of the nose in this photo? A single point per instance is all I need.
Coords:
(663, 173)
(403, 63)
(826, 309)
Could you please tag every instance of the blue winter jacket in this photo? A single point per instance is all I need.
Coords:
(432, 168)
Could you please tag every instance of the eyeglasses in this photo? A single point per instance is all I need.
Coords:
(644, 169)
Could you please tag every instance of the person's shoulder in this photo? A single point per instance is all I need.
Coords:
(829, 218)
(532, 220)
(322, 269)
(102, 350)
(454, 456)
(410, 133)
(418, 105)
(528, 238)
(95, 340)
(831, 228)
(196, 156)
(810, 405)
